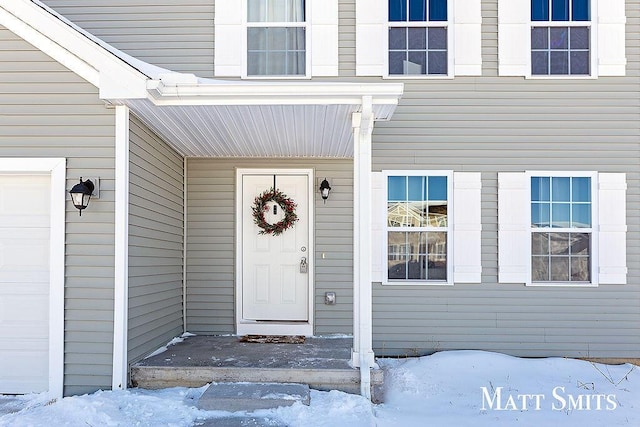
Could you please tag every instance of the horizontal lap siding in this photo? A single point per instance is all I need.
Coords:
(211, 243)
(347, 37)
(492, 124)
(173, 34)
(155, 242)
(47, 111)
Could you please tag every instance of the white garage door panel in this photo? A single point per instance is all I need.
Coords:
(24, 283)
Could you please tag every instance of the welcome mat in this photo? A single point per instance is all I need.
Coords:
(273, 339)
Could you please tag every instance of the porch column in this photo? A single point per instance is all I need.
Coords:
(121, 285)
(362, 353)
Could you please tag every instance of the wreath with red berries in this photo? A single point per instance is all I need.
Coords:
(261, 205)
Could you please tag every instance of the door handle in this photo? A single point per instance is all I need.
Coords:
(304, 267)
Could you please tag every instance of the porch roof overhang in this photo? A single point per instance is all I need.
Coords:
(255, 119)
(209, 117)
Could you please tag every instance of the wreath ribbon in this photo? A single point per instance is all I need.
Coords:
(260, 206)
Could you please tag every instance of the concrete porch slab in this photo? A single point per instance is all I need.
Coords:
(321, 363)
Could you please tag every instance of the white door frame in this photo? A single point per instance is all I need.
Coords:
(244, 327)
(57, 169)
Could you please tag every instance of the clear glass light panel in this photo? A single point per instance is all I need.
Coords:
(560, 51)
(276, 51)
(418, 10)
(561, 257)
(417, 255)
(275, 11)
(418, 51)
(561, 10)
(561, 202)
(417, 201)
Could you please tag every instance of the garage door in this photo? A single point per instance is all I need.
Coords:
(24, 283)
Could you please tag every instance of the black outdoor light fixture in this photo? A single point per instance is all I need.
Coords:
(81, 194)
(324, 189)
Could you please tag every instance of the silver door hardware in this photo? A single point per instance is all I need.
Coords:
(303, 249)
(304, 267)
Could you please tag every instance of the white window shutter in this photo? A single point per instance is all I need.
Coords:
(611, 38)
(514, 229)
(229, 32)
(467, 228)
(324, 38)
(371, 37)
(612, 228)
(378, 203)
(514, 37)
(467, 35)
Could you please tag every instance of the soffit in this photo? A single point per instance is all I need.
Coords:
(254, 130)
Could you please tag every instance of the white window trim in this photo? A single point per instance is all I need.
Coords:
(450, 228)
(449, 24)
(595, 220)
(308, 43)
(593, 45)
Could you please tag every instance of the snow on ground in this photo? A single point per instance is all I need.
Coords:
(455, 388)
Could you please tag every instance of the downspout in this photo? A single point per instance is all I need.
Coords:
(184, 245)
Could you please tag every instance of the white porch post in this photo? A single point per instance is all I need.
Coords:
(121, 279)
(362, 352)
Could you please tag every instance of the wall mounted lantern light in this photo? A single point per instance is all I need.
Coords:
(81, 194)
(324, 189)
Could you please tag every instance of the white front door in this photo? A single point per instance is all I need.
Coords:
(274, 287)
(24, 283)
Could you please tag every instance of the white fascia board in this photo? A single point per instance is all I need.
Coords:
(73, 49)
(276, 93)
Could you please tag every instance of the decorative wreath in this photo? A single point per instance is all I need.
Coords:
(260, 206)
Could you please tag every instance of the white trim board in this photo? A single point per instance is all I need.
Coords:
(244, 327)
(57, 168)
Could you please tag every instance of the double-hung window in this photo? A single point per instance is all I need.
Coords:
(418, 37)
(561, 229)
(560, 37)
(276, 38)
(417, 228)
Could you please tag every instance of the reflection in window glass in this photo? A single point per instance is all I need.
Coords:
(563, 204)
(417, 228)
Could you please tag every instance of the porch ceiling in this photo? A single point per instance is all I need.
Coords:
(253, 130)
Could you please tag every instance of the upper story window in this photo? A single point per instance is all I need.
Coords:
(561, 229)
(560, 37)
(276, 38)
(418, 37)
(417, 228)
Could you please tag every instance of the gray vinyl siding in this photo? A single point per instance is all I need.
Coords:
(47, 111)
(211, 242)
(155, 242)
(173, 34)
(347, 38)
(492, 124)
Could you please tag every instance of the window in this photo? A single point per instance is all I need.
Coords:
(418, 41)
(561, 229)
(276, 38)
(417, 228)
(560, 37)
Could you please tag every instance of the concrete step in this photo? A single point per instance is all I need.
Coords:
(243, 421)
(249, 397)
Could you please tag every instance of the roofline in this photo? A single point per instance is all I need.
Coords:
(119, 76)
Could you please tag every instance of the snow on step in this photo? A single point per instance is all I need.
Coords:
(234, 397)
